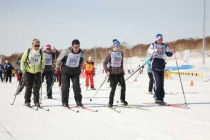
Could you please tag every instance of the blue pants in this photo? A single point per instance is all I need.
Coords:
(158, 77)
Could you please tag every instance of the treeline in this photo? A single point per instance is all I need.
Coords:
(139, 50)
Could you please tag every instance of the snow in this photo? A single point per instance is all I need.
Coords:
(160, 122)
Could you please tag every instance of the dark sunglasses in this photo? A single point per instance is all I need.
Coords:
(48, 49)
(36, 45)
(76, 47)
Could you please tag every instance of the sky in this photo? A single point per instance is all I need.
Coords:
(97, 22)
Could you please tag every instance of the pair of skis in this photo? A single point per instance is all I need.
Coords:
(134, 107)
(77, 111)
(127, 106)
(170, 105)
(37, 108)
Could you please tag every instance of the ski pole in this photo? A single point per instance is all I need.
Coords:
(99, 88)
(14, 100)
(133, 73)
(51, 85)
(144, 63)
(17, 91)
(137, 77)
(180, 79)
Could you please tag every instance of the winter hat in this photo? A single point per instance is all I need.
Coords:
(48, 46)
(75, 41)
(114, 40)
(159, 36)
(116, 43)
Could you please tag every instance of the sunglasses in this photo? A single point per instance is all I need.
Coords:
(76, 47)
(36, 45)
(48, 49)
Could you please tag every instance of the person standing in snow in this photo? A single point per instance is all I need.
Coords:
(32, 66)
(19, 71)
(89, 72)
(149, 72)
(157, 52)
(115, 72)
(48, 70)
(72, 60)
(8, 70)
(1, 72)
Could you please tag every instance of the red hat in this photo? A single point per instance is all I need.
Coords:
(48, 46)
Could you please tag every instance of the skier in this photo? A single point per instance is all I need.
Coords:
(157, 52)
(1, 72)
(89, 72)
(72, 60)
(32, 66)
(19, 72)
(115, 72)
(49, 70)
(8, 70)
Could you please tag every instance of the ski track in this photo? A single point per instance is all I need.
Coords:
(161, 122)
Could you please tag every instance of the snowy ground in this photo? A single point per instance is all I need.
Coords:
(20, 123)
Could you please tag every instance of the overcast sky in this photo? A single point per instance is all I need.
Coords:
(97, 22)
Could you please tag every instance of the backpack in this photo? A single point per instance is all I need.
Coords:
(40, 51)
(9, 67)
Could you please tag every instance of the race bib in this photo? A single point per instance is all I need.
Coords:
(34, 57)
(48, 59)
(73, 60)
(89, 67)
(116, 59)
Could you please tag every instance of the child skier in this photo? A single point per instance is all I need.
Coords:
(89, 72)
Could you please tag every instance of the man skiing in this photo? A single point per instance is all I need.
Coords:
(72, 60)
(115, 72)
(157, 52)
(89, 72)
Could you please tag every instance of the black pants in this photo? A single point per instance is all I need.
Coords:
(1, 77)
(8, 76)
(65, 85)
(49, 81)
(32, 81)
(114, 79)
(150, 81)
(158, 77)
